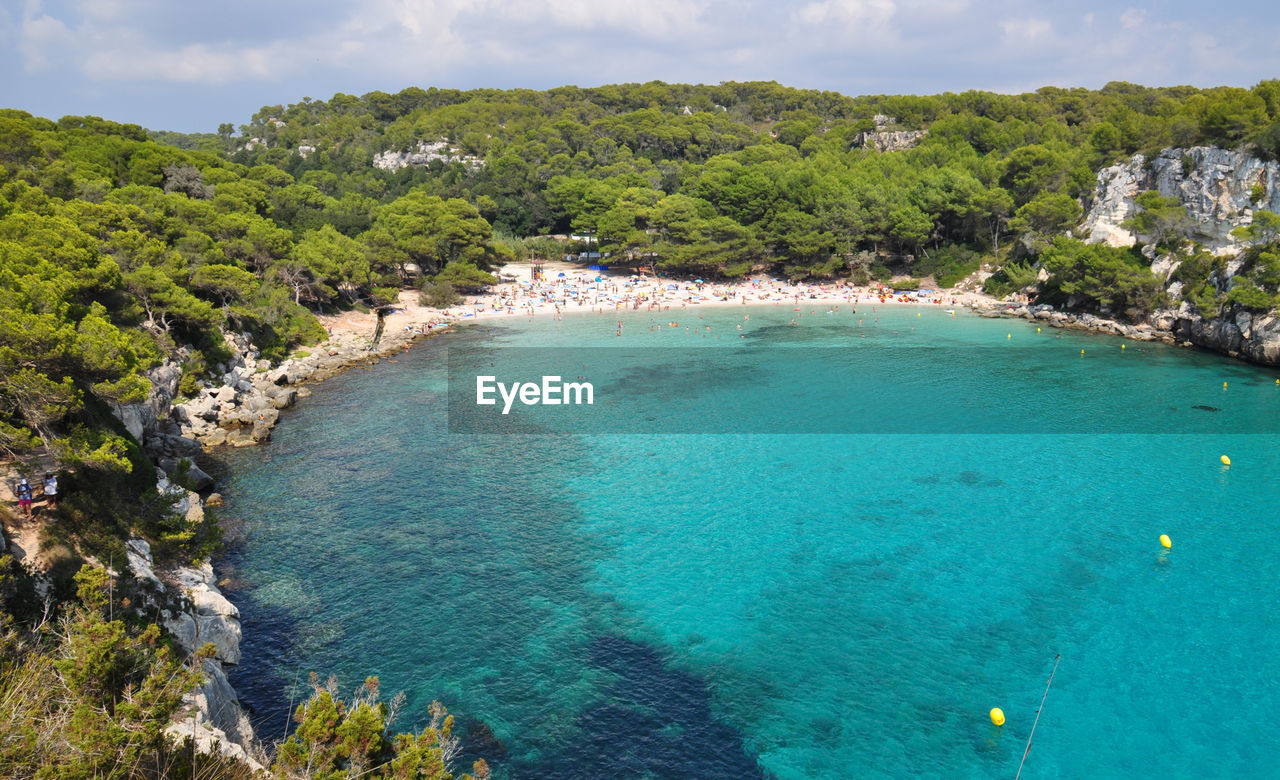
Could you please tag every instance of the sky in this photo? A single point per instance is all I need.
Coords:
(189, 65)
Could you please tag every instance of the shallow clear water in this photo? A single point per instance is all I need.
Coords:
(787, 604)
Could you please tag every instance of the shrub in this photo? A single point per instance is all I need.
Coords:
(1247, 294)
(439, 295)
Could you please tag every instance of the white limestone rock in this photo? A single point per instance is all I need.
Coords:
(424, 154)
(1216, 186)
(215, 721)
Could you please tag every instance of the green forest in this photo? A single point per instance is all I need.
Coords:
(121, 248)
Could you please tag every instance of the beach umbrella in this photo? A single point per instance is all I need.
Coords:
(672, 287)
(561, 273)
(699, 281)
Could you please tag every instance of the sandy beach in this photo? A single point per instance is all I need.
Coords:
(571, 289)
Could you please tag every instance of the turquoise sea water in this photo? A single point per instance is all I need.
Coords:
(775, 602)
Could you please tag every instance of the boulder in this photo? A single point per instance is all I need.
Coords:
(195, 508)
(236, 416)
(199, 480)
(217, 621)
(183, 629)
(283, 398)
(256, 402)
(168, 445)
(203, 408)
(139, 419)
(240, 437)
(134, 419)
(138, 553)
(216, 438)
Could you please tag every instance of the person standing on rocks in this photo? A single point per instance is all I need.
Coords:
(23, 492)
(51, 489)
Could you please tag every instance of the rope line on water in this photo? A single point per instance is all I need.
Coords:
(1056, 660)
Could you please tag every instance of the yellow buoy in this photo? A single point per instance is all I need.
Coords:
(1009, 336)
(1224, 385)
(1225, 460)
(917, 314)
(1277, 381)
(1166, 542)
(997, 716)
(1082, 352)
(1121, 346)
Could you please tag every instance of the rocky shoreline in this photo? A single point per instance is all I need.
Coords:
(241, 411)
(1240, 334)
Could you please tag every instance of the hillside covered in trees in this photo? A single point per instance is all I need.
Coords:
(725, 178)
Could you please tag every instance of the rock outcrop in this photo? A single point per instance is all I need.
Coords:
(1219, 188)
(212, 714)
(1240, 334)
(216, 723)
(139, 418)
(882, 139)
(1145, 331)
(424, 154)
(246, 407)
(890, 140)
(1243, 334)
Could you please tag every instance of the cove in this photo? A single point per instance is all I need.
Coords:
(784, 602)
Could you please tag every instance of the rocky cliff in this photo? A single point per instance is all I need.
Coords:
(195, 613)
(1219, 188)
(240, 411)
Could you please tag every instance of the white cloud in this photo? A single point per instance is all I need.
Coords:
(429, 20)
(193, 64)
(1132, 17)
(102, 11)
(850, 14)
(932, 8)
(1023, 32)
(652, 18)
(42, 39)
(109, 42)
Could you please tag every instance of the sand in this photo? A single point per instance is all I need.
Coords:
(569, 289)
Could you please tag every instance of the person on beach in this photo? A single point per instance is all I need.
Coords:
(51, 489)
(23, 492)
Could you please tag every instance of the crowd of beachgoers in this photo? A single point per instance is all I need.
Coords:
(561, 288)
